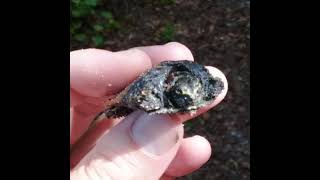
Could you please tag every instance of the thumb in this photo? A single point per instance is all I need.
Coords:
(141, 147)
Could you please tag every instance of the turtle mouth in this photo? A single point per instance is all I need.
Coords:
(153, 111)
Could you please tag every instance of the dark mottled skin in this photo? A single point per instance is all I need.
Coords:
(170, 87)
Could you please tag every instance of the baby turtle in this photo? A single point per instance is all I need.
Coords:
(170, 87)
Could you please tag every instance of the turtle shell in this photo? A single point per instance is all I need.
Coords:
(171, 87)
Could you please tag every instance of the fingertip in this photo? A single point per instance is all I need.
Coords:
(193, 153)
(203, 145)
(198, 147)
(219, 74)
(181, 52)
(172, 51)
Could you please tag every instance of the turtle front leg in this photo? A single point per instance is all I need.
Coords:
(111, 113)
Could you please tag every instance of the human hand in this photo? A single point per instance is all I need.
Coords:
(140, 146)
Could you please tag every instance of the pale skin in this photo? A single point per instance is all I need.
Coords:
(110, 150)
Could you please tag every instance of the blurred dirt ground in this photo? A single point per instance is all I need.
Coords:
(218, 34)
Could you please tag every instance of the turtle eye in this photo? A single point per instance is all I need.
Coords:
(178, 98)
(178, 91)
(182, 101)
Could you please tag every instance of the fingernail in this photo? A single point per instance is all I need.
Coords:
(156, 134)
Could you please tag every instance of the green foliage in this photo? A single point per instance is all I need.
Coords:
(80, 37)
(82, 8)
(98, 27)
(106, 15)
(75, 26)
(168, 32)
(109, 21)
(98, 40)
(90, 23)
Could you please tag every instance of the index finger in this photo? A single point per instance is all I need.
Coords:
(172, 51)
(98, 73)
